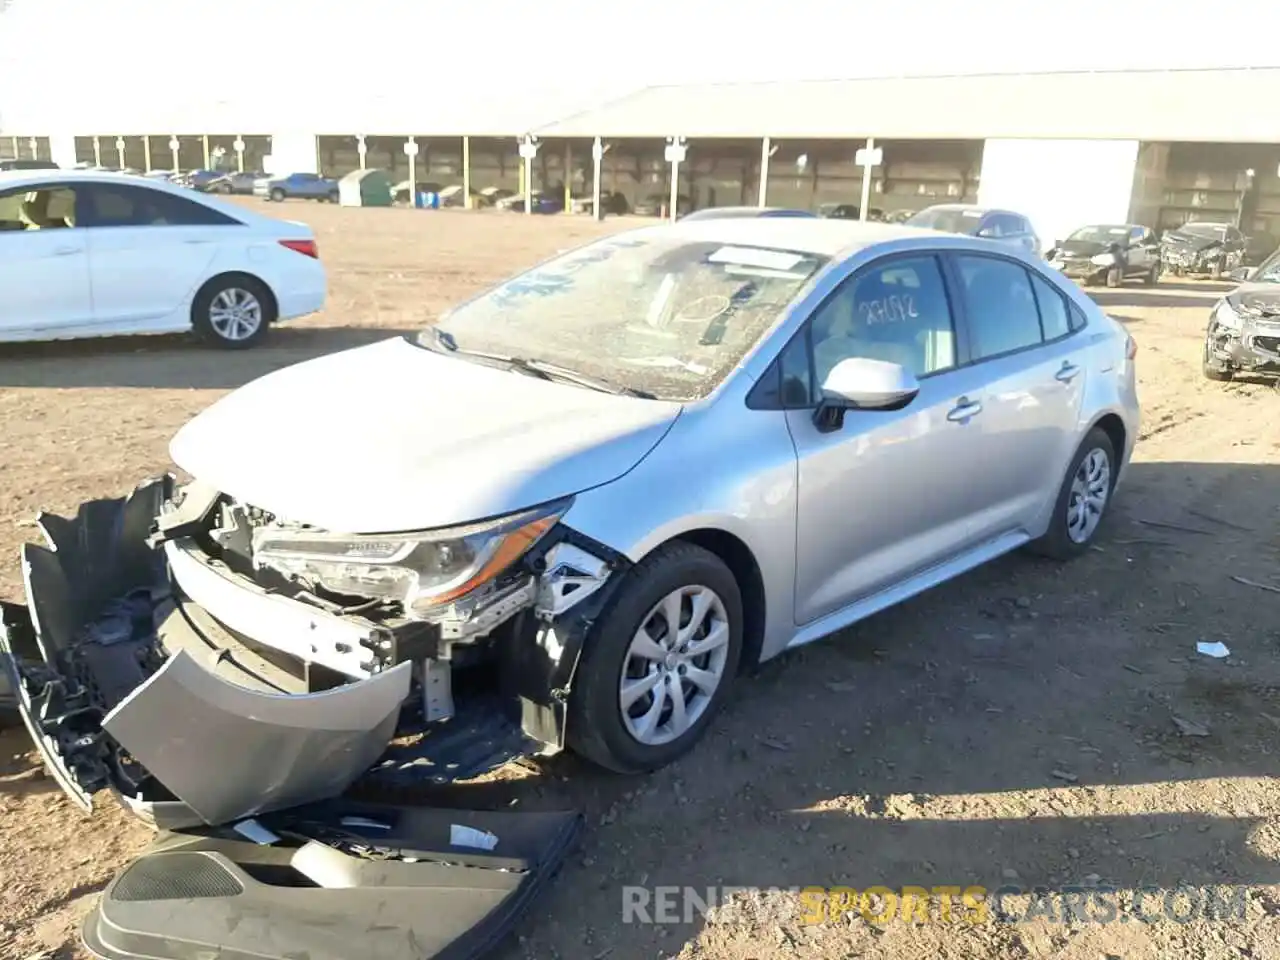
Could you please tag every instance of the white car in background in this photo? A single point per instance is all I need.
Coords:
(88, 254)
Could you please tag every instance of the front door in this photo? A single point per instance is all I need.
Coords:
(889, 493)
(148, 250)
(44, 262)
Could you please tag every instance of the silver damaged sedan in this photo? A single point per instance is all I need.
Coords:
(570, 512)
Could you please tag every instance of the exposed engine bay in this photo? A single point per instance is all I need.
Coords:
(208, 661)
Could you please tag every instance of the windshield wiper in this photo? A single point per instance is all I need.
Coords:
(538, 368)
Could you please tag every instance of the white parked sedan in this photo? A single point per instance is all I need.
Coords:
(88, 253)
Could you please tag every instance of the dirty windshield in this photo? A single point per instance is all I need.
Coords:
(663, 316)
(1210, 231)
(1268, 271)
(948, 219)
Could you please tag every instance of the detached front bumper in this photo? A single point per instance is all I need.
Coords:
(144, 666)
(1082, 271)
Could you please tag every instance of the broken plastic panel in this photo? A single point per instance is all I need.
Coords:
(343, 880)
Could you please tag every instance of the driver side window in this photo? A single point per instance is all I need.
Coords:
(895, 311)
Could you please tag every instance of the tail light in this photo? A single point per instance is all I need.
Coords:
(1130, 347)
(307, 248)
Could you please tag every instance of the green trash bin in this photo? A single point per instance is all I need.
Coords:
(365, 188)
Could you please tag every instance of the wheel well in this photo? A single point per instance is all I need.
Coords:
(273, 305)
(741, 562)
(1113, 427)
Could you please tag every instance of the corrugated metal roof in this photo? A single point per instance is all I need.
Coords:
(1220, 105)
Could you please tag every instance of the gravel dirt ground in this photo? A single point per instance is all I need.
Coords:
(1029, 726)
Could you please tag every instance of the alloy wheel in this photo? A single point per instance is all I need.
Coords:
(235, 314)
(1090, 488)
(674, 664)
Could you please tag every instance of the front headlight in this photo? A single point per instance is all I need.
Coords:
(1103, 259)
(420, 570)
(1225, 317)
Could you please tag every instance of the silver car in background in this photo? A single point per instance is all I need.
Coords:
(1003, 226)
(607, 485)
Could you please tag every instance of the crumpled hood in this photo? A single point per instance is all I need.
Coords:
(393, 437)
(1082, 248)
(1185, 241)
(1256, 299)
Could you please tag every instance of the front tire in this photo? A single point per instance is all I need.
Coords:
(277, 195)
(1212, 371)
(1115, 276)
(659, 663)
(232, 312)
(1153, 275)
(1082, 500)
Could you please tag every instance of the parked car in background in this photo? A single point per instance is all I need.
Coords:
(88, 254)
(613, 204)
(28, 165)
(1203, 249)
(1108, 253)
(1003, 226)
(653, 204)
(1243, 334)
(203, 180)
(730, 213)
(839, 211)
(489, 196)
(297, 186)
(404, 191)
(700, 445)
(238, 182)
(542, 202)
(166, 176)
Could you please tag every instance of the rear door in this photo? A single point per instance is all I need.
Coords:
(1033, 372)
(44, 260)
(148, 250)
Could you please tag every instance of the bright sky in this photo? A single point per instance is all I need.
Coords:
(552, 55)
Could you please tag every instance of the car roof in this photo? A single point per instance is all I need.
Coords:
(10, 179)
(816, 235)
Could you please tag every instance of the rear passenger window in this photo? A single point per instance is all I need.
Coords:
(123, 205)
(1054, 318)
(1000, 304)
(1078, 321)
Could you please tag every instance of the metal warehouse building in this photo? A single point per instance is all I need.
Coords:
(1155, 147)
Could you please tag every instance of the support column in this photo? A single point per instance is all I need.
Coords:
(766, 151)
(34, 144)
(238, 147)
(362, 149)
(97, 152)
(528, 150)
(174, 146)
(146, 153)
(868, 163)
(677, 150)
(568, 177)
(597, 155)
(466, 173)
(411, 151)
(120, 151)
(204, 142)
(15, 148)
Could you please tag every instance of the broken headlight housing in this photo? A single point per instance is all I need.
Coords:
(1226, 318)
(421, 571)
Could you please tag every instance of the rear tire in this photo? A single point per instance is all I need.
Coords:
(1153, 276)
(614, 736)
(1083, 499)
(333, 197)
(233, 312)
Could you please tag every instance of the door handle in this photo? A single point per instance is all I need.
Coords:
(197, 242)
(66, 251)
(1067, 373)
(964, 409)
